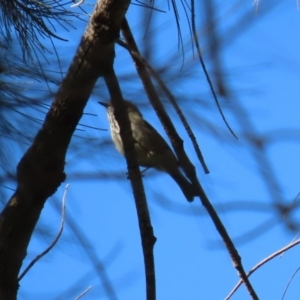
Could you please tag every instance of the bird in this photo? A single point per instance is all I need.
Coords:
(151, 149)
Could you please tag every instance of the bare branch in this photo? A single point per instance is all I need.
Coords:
(183, 158)
(41, 170)
(83, 293)
(134, 174)
(38, 257)
(195, 37)
(294, 274)
(173, 102)
(262, 263)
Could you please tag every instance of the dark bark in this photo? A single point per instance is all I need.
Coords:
(41, 170)
(146, 231)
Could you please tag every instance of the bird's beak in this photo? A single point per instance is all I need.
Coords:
(105, 104)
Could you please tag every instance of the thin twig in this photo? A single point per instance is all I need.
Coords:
(262, 263)
(38, 257)
(77, 3)
(205, 70)
(294, 239)
(83, 293)
(290, 281)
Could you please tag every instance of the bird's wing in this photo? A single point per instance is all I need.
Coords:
(154, 143)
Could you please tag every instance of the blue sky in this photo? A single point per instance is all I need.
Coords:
(261, 72)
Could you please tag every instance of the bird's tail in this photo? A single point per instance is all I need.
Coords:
(186, 187)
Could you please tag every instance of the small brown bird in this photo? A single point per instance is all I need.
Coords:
(151, 148)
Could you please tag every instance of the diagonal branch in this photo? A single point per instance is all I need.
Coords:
(146, 230)
(186, 164)
(41, 169)
(163, 86)
(169, 127)
(261, 263)
(195, 37)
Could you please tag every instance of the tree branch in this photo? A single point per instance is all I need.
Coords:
(261, 263)
(146, 230)
(38, 257)
(188, 167)
(41, 170)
